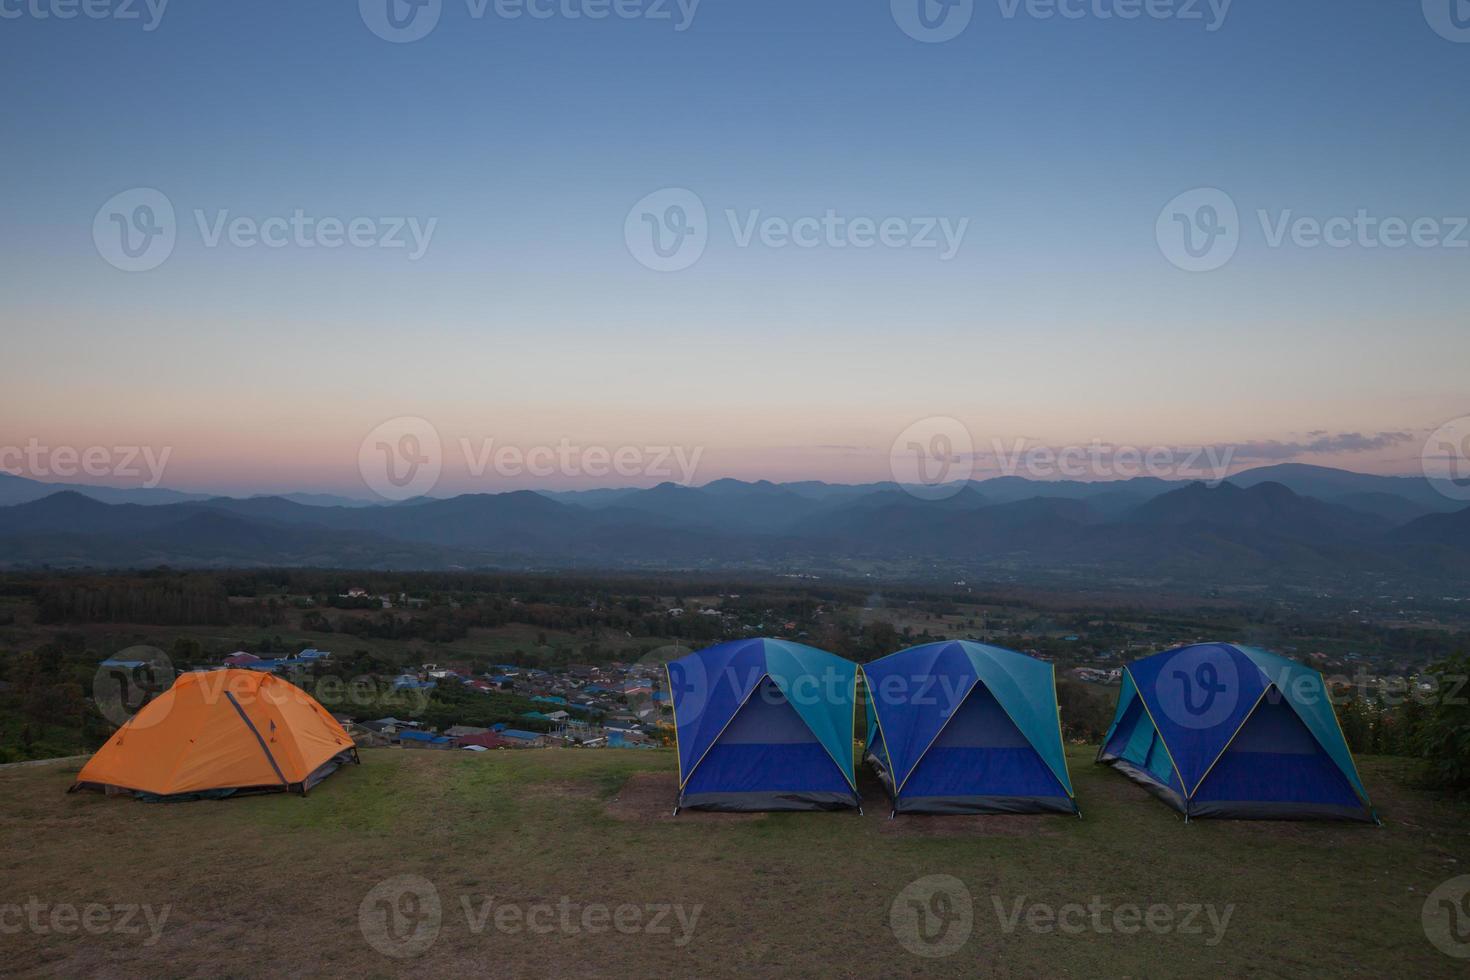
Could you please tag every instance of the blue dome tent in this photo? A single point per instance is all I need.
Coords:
(764, 724)
(959, 727)
(1219, 730)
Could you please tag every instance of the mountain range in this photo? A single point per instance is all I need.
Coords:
(1276, 523)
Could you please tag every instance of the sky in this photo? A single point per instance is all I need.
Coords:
(998, 224)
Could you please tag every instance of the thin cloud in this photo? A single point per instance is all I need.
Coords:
(1321, 444)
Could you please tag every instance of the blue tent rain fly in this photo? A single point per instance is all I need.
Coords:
(958, 727)
(1219, 730)
(764, 725)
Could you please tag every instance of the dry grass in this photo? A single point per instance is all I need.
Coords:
(273, 884)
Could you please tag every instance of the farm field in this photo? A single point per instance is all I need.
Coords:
(564, 862)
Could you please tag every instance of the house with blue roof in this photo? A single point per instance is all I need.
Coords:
(424, 740)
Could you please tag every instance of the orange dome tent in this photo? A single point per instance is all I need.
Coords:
(216, 733)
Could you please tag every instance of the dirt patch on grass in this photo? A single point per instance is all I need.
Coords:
(564, 791)
(968, 825)
(648, 797)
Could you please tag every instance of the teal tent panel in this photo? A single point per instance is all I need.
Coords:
(822, 687)
(1026, 687)
(1126, 697)
(1305, 691)
(1141, 742)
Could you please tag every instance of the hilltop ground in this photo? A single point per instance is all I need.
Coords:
(276, 884)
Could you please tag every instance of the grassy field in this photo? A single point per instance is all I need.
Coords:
(564, 842)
